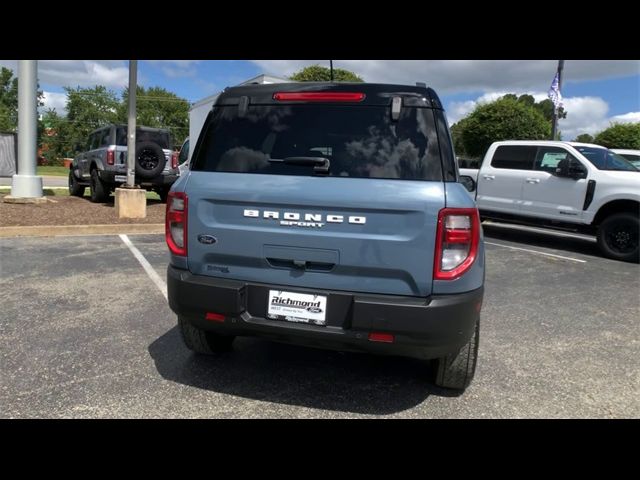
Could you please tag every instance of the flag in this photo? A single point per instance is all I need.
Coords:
(554, 92)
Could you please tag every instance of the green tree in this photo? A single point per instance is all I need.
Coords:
(527, 99)
(546, 108)
(317, 73)
(503, 119)
(456, 136)
(9, 101)
(87, 109)
(620, 135)
(158, 108)
(584, 138)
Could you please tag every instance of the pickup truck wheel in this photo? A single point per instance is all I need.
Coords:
(203, 342)
(455, 371)
(75, 188)
(99, 191)
(618, 237)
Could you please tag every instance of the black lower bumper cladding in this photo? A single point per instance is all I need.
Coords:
(422, 327)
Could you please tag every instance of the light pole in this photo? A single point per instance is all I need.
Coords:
(131, 129)
(26, 184)
(131, 202)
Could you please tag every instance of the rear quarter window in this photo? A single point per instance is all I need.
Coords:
(359, 141)
(514, 157)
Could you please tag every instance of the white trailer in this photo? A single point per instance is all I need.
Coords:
(200, 109)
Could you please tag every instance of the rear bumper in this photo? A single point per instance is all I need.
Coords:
(423, 327)
(109, 176)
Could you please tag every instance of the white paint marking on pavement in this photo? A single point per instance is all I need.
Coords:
(146, 265)
(536, 251)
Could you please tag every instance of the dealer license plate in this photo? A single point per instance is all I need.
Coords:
(297, 307)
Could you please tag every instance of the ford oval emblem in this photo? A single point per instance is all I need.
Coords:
(207, 239)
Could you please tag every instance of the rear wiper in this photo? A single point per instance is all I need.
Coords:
(320, 164)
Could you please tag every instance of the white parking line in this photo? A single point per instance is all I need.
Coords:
(536, 251)
(153, 275)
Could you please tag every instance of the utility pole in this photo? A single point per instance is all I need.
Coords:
(131, 129)
(554, 124)
(26, 184)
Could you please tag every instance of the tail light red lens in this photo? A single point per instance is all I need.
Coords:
(381, 337)
(457, 241)
(111, 157)
(176, 223)
(318, 96)
(174, 160)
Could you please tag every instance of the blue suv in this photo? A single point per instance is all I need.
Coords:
(328, 215)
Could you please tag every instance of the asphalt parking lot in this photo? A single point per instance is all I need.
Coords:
(85, 332)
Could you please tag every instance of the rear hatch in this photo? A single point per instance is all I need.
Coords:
(143, 134)
(334, 195)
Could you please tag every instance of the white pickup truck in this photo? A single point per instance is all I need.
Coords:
(562, 185)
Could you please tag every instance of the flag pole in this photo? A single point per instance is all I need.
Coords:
(554, 122)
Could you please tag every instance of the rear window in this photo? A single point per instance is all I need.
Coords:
(359, 141)
(161, 138)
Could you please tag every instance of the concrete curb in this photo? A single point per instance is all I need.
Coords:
(76, 230)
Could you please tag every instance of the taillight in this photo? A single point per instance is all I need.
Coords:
(457, 240)
(174, 160)
(176, 223)
(111, 158)
(318, 96)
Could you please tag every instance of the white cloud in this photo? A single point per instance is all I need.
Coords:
(452, 76)
(177, 68)
(584, 115)
(84, 73)
(55, 101)
(630, 117)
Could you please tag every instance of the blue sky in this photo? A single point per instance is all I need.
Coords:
(595, 92)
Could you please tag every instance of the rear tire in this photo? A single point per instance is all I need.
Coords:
(618, 237)
(203, 342)
(99, 191)
(75, 189)
(455, 371)
(150, 160)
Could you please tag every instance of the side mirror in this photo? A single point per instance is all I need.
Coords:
(571, 169)
(468, 182)
(562, 169)
(577, 170)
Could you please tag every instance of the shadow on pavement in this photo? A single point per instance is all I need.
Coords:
(287, 374)
(584, 246)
